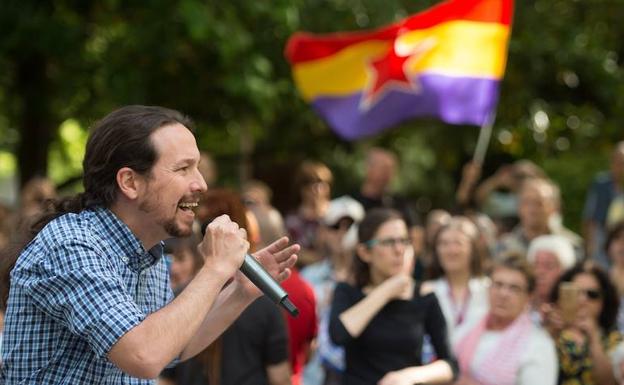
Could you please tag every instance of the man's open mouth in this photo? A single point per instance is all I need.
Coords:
(188, 205)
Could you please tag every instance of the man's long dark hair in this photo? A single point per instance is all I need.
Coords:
(121, 139)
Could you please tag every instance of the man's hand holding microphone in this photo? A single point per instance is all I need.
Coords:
(225, 248)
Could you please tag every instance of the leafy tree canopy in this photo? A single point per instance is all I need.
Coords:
(70, 62)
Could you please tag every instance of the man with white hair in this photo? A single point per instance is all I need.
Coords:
(549, 255)
(539, 203)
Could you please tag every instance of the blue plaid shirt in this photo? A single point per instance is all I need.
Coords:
(80, 285)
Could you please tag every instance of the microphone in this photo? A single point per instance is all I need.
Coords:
(263, 281)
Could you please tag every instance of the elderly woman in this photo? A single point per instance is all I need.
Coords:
(380, 318)
(457, 276)
(585, 341)
(506, 347)
(550, 256)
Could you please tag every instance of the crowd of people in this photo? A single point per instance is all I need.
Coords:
(493, 290)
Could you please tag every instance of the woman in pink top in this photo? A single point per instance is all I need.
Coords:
(505, 347)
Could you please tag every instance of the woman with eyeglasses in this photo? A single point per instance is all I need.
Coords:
(380, 317)
(505, 347)
(457, 276)
(586, 336)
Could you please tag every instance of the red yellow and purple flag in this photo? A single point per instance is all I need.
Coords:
(444, 62)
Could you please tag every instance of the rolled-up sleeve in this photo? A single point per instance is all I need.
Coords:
(85, 295)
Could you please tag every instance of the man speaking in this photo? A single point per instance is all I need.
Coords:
(89, 299)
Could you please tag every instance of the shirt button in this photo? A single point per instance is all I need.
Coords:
(125, 259)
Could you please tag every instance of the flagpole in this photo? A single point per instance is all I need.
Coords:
(485, 134)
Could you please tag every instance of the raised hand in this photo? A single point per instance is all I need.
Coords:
(277, 259)
(471, 172)
(400, 286)
(552, 319)
(588, 326)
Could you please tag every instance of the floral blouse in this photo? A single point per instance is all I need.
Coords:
(575, 363)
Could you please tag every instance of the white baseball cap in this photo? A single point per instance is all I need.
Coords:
(343, 207)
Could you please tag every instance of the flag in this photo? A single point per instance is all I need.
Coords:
(445, 62)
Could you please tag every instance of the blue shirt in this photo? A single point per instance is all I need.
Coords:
(81, 284)
(321, 276)
(601, 192)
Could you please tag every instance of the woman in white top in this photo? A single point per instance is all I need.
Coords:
(505, 347)
(457, 276)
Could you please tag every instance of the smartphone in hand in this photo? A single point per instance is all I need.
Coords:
(568, 301)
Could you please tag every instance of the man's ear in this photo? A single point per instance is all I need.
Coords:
(129, 182)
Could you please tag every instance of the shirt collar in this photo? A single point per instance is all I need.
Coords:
(126, 244)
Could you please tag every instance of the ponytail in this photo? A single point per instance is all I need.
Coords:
(28, 232)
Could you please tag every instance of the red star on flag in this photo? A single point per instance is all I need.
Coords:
(390, 72)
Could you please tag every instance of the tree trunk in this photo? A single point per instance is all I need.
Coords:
(34, 120)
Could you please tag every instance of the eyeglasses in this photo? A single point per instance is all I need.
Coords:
(389, 242)
(515, 289)
(592, 294)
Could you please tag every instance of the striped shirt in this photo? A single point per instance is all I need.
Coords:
(81, 284)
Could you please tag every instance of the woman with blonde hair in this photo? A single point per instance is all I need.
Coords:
(457, 278)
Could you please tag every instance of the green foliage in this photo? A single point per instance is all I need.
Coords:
(561, 102)
(67, 152)
(7, 164)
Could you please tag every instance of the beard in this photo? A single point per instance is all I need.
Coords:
(171, 227)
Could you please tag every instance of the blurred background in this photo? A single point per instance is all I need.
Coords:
(64, 64)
